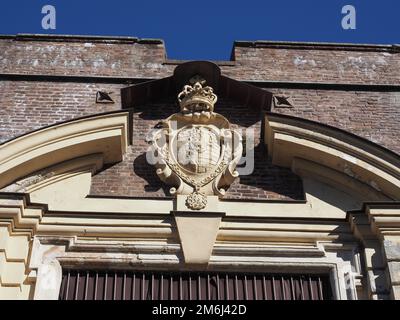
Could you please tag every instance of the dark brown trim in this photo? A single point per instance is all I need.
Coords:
(261, 84)
(324, 86)
(226, 63)
(238, 43)
(72, 78)
(80, 38)
(246, 94)
(392, 48)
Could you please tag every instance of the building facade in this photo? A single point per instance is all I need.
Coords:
(127, 175)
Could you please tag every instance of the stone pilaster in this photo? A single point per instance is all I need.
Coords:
(375, 268)
(385, 222)
(392, 250)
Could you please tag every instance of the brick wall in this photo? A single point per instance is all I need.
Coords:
(135, 177)
(317, 64)
(146, 59)
(26, 105)
(371, 115)
(92, 57)
(30, 105)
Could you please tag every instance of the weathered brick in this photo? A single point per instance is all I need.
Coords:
(29, 104)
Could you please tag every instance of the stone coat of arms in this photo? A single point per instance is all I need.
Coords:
(195, 150)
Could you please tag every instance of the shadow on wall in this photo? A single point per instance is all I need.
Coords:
(237, 114)
(148, 173)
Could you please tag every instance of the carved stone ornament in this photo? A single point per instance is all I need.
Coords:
(195, 151)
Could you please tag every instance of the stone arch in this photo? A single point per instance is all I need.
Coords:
(343, 161)
(105, 135)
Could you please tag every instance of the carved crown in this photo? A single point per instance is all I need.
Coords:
(197, 98)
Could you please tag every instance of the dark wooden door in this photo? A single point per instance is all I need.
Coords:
(134, 285)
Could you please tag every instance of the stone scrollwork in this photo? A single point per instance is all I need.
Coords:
(195, 151)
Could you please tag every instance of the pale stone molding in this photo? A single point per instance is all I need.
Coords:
(34, 220)
(14, 256)
(105, 134)
(197, 234)
(373, 256)
(384, 221)
(250, 243)
(289, 138)
(49, 252)
(140, 233)
(48, 281)
(58, 173)
(357, 190)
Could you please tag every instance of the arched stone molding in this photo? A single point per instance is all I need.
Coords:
(105, 134)
(121, 233)
(333, 156)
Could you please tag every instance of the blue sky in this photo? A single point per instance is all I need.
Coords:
(206, 29)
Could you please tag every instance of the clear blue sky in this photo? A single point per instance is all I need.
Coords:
(206, 29)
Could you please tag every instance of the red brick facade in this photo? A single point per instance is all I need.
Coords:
(46, 80)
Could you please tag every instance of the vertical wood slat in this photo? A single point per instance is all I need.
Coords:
(246, 296)
(143, 284)
(227, 286)
(321, 295)
(124, 287)
(67, 289)
(86, 284)
(95, 285)
(311, 288)
(114, 285)
(301, 289)
(76, 286)
(180, 288)
(208, 288)
(264, 288)
(236, 288)
(255, 287)
(162, 287)
(218, 297)
(273, 289)
(152, 286)
(198, 288)
(133, 286)
(283, 288)
(292, 290)
(190, 287)
(171, 291)
(105, 287)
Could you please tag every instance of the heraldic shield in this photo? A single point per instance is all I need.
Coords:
(195, 150)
